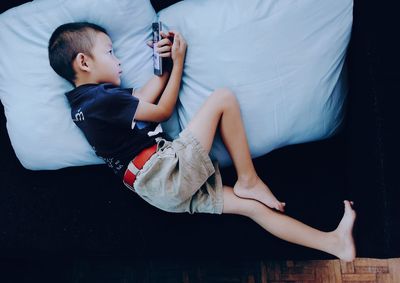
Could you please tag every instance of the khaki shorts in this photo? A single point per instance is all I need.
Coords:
(180, 177)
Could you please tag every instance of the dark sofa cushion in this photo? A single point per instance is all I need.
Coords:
(86, 211)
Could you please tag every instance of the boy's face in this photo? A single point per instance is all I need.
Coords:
(106, 68)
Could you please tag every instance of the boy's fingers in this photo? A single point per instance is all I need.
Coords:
(182, 41)
(164, 49)
(178, 37)
(167, 54)
(164, 34)
(176, 43)
(164, 41)
(168, 36)
(150, 43)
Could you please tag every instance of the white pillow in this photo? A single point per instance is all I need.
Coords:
(37, 111)
(283, 59)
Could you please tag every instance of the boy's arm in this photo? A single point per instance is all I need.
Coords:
(163, 109)
(152, 90)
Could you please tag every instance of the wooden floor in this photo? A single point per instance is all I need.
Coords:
(326, 271)
(361, 270)
(211, 271)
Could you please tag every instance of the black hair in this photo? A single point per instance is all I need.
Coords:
(66, 42)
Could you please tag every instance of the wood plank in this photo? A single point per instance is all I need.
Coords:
(370, 262)
(394, 269)
(185, 277)
(347, 267)
(251, 279)
(264, 274)
(322, 274)
(372, 269)
(367, 277)
(384, 278)
(337, 270)
(328, 272)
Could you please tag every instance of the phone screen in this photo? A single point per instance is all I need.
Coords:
(157, 60)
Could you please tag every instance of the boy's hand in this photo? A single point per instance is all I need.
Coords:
(178, 50)
(164, 45)
(172, 45)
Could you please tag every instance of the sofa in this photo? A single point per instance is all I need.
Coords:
(84, 211)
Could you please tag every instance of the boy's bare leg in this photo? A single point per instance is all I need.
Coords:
(338, 242)
(222, 109)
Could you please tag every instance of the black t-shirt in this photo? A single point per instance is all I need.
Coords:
(105, 114)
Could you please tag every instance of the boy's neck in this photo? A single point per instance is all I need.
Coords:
(80, 81)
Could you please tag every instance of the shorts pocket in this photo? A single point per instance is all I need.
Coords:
(167, 152)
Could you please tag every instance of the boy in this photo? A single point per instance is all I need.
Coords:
(178, 175)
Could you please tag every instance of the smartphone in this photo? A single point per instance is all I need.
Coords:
(157, 60)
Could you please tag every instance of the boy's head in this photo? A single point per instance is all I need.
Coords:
(82, 53)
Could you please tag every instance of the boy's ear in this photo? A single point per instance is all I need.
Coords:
(81, 62)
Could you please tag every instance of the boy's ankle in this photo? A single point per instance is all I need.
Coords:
(247, 180)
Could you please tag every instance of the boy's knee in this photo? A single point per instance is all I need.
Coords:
(224, 96)
(224, 93)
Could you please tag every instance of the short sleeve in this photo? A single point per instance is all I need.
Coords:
(116, 106)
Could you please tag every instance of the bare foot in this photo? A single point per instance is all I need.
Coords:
(345, 249)
(257, 190)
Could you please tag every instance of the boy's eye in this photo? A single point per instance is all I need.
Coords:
(110, 51)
